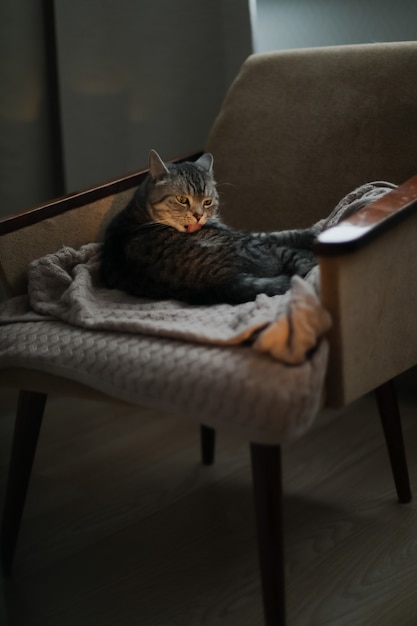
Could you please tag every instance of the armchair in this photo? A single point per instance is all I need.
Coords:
(297, 131)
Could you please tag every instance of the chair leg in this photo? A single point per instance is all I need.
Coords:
(267, 485)
(208, 444)
(29, 415)
(386, 398)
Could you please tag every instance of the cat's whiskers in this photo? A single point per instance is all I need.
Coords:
(226, 185)
(153, 225)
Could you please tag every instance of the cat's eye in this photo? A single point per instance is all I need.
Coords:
(208, 202)
(182, 199)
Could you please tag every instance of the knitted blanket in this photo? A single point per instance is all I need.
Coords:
(176, 356)
(65, 286)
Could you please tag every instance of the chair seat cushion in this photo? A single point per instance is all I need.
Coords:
(265, 400)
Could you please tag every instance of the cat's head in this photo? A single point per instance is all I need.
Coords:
(182, 195)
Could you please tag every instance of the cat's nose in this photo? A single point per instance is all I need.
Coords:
(198, 216)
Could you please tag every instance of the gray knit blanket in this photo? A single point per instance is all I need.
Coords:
(175, 356)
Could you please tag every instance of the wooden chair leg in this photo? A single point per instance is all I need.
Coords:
(208, 444)
(29, 415)
(267, 484)
(386, 398)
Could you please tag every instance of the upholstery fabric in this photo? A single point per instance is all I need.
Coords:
(228, 386)
(299, 129)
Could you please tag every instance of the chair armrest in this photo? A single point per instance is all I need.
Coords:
(371, 221)
(368, 274)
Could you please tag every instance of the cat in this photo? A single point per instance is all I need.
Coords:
(170, 243)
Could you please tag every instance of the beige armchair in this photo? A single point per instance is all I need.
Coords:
(297, 131)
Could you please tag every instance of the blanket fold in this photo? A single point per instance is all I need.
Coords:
(65, 286)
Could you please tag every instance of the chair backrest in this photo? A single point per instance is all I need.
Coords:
(299, 129)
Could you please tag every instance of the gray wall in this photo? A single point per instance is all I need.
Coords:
(141, 75)
(26, 146)
(133, 74)
(283, 24)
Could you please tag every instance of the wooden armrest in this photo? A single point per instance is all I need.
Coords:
(370, 221)
(370, 292)
(86, 197)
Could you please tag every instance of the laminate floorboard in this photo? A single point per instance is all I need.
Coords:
(123, 526)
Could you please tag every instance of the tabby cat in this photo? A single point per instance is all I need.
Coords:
(169, 242)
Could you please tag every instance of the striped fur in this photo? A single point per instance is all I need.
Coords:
(148, 250)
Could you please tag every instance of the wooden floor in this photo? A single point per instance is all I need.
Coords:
(124, 527)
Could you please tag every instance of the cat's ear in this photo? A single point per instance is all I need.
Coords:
(157, 167)
(206, 162)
